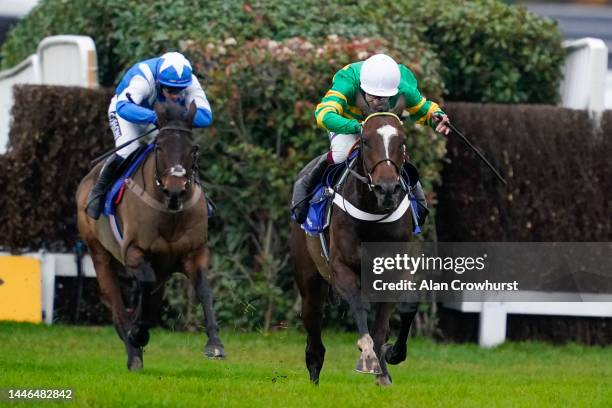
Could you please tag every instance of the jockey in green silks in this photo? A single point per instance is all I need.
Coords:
(382, 81)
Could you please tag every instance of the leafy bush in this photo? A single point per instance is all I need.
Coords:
(490, 51)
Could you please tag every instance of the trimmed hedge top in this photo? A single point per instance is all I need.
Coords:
(490, 51)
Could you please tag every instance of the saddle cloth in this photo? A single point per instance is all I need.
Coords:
(115, 193)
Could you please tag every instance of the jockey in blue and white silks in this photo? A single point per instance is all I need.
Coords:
(157, 79)
(169, 77)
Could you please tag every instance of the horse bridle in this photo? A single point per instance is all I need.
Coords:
(191, 173)
(367, 180)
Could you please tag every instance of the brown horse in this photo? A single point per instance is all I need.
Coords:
(164, 220)
(374, 187)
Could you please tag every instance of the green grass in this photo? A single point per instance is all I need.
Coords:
(268, 370)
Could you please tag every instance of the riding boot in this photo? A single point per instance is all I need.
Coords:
(422, 210)
(95, 200)
(306, 181)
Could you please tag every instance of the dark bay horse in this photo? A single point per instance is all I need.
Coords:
(374, 187)
(163, 216)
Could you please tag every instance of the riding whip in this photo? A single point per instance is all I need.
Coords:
(105, 155)
(480, 155)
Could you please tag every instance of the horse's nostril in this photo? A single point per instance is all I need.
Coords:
(397, 188)
(378, 188)
(166, 191)
(182, 193)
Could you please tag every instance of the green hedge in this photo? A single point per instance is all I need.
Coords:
(490, 51)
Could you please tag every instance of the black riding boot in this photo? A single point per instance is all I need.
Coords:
(422, 210)
(306, 181)
(95, 201)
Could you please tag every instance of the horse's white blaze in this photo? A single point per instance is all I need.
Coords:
(178, 171)
(387, 132)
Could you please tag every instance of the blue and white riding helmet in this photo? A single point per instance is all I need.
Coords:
(174, 70)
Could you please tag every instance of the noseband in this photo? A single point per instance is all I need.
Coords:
(367, 180)
(177, 170)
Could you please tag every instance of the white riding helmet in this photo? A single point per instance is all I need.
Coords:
(380, 75)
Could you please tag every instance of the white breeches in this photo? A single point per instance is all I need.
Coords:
(124, 131)
(341, 145)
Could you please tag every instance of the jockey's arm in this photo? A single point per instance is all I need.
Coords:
(421, 110)
(203, 117)
(333, 121)
(328, 113)
(128, 102)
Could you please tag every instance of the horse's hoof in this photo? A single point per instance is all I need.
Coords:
(392, 355)
(383, 380)
(135, 364)
(368, 365)
(214, 352)
(314, 377)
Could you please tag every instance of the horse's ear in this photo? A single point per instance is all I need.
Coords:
(160, 111)
(191, 113)
(361, 103)
(400, 105)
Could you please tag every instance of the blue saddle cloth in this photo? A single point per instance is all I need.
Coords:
(316, 220)
(110, 201)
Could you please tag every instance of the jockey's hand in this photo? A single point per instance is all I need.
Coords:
(441, 122)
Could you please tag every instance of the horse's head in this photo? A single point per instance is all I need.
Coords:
(383, 150)
(175, 152)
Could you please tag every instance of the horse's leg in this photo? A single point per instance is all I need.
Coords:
(380, 335)
(109, 286)
(313, 299)
(147, 313)
(313, 290)
(346, 281)
(196, 268)
(138, 266)
(397, 353)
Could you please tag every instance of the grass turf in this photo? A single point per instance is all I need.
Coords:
(268, 370)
